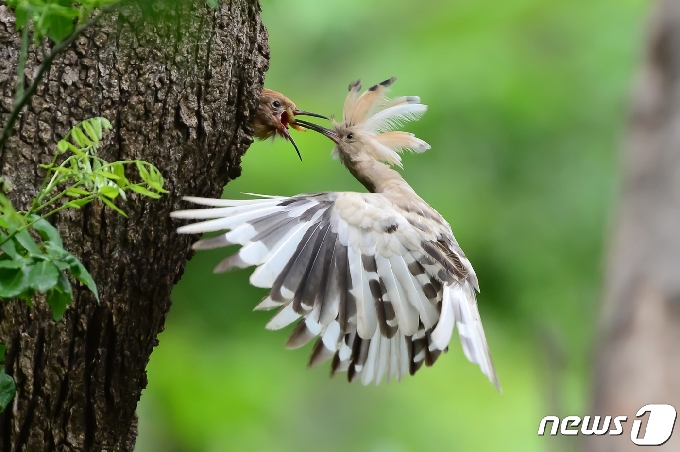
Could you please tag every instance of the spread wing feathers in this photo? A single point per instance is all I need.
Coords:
(350, 269)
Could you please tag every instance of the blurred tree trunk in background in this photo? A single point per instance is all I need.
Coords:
(638, 356)
(179, 82)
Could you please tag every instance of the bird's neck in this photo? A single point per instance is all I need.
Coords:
(378, 177)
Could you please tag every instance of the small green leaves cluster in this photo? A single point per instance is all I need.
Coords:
(32, 254)
(90, 177)
(7, 386)
(55, 19)
(31, 264)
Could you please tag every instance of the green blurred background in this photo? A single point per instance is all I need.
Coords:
(527, 113)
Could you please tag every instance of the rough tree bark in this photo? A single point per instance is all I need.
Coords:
(180, 90)
(638, 359)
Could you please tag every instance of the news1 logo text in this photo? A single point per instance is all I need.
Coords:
(656, 432)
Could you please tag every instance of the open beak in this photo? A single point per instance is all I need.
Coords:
(286, 134)
(332, 134)
(288, 119)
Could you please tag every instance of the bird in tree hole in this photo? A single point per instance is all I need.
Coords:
(275, 112)
(378, 278)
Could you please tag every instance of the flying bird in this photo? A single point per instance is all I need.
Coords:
(378, 278)
(275, 112)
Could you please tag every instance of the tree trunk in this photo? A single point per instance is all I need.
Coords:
(638, 358)
(179, 82)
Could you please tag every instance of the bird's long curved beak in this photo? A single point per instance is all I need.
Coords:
(293, 122)
(308, 113)
(289, 137)
(332, 134)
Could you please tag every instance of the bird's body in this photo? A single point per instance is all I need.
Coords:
(378, 276)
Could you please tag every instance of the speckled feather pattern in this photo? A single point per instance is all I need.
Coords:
(377, 279)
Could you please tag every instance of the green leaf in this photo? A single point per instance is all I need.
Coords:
(91, 132)
(13, 219)
(109, 191)
(97, 126)
(79, 137)
(78, 203)
(60, 297)
(7, 389)
(64, 285)
(158, 187)
(112, 205)
(43, 276)
(12, 263)
(119, 170)
(22, 12)
(62, 170)
(13, 281)
(213, 3)
(26, 241)
(62, 146)
(27, 296)
(77, 192)
(9, 247)
(143, 191)
(60, 264)
(75, 150)
(47, 231)
(143, 173)
(59, 26)
(105, 123)
(79, 272)
(3, 349)
(107, 175)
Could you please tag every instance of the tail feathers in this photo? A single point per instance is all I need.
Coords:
(212, 243)
(266, 304)
(376, 359)
(471, 332)
(283, 318)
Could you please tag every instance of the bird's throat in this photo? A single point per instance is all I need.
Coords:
(377, 177)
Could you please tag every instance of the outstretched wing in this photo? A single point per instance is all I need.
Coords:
(381, 285)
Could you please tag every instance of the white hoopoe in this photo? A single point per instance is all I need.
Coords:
(379, 276)
(275, 113)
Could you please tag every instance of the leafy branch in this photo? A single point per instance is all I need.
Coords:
(54, 19)
(28, 266)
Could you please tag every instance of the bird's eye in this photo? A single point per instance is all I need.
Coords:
(350, 136)
(276, 104)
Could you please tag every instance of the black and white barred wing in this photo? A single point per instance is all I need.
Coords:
(352, 270)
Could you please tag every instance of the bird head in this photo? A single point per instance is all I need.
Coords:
(366, 130)
(275, 113)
